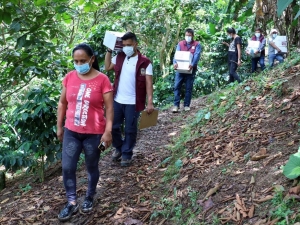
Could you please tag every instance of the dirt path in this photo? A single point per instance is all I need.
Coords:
(124, 195)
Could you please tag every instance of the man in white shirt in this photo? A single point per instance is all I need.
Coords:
(133, 83)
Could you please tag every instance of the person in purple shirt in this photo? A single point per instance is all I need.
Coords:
(259, 55)
(194, 47)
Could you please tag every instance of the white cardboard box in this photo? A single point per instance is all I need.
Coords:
(253, 46)
(184, 60)
(281, 43)
(113, 40)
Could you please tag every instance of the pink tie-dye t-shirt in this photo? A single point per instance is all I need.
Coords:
(85, 112)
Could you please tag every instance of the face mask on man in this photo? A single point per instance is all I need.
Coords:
(274, 35)
(188, 39)
(128, 50)
(257, 35)
(84, 68)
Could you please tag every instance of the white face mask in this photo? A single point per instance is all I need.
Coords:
(274, 35)
(188, 39)
(128, 50)
(257, 35)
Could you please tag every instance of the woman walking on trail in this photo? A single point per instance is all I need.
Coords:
(234, 54)
(84, 94)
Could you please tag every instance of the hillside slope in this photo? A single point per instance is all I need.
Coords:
(218, 164)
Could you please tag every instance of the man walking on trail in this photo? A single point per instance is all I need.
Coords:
(133, 82)
(272, 48)
(194, 47)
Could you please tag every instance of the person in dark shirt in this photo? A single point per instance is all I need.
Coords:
(234, 54)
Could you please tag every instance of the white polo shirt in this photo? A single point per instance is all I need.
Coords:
(126, 89)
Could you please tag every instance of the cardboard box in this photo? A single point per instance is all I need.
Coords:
(113, 40)
(252, 47)
(184, 60)
(281, 43)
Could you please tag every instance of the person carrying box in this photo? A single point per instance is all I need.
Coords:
(272, 48)
(194, 47)
(132, 86)
(258, 55)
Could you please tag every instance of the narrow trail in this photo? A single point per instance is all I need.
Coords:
(124, 195)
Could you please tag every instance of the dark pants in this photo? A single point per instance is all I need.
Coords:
(130, 115)
(73, 143)
(189, 82)
(254, 62)
(233, 76)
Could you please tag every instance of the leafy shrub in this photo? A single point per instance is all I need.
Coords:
(34, 138)
(292, 169)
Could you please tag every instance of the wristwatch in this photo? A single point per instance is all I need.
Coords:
(110, 51)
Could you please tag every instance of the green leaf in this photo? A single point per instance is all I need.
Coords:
(247, 88)
(6, 17)
(21, 41)
(282, 5)
(292, 169)
(40, 2)
(67, 18)
(24, 116)
(15, 26)
(207, 116)
(178, 164)
(87, 7)
(298, 14)
(212, 28)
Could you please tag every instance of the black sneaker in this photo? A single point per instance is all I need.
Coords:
(116, 155)
(87, 204)
(66, 213)
(126, 162)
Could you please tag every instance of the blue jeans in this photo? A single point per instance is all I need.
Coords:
(73, 143)
(130, 115)
(261, 61)
(272, 58)
(189, 81)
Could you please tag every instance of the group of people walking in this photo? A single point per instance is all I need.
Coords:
(91, 112)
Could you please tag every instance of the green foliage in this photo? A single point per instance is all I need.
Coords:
(282, 5)
(283, 208)
(33, 120)
(292, 169)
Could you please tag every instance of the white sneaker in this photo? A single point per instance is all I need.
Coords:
(186, 108)
(175, 109)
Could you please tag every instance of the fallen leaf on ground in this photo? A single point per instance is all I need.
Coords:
(207, 204)
(252, 181)
(130, 221)
(267, 198)
(295, 190)
(213, 191)
(261, 154)
(184, 179)
(5, 200)
(46, 208)
(251, 211)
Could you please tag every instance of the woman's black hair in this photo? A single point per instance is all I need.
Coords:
(231, 30)
(89, 51)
